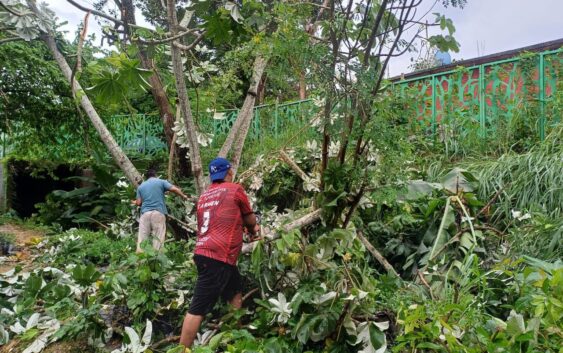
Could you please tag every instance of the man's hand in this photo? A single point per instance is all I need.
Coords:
(254, 233)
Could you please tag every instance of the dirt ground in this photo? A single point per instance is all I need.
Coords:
(24, 239)
(58, 347)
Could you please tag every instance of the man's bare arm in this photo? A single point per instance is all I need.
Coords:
(178, 192)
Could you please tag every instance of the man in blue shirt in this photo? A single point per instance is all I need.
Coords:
(150, 196)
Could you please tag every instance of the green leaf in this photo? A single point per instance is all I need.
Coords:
(216, 340)
(456, 180)
(420, 188)
(377, 338)
(515, 324)
(29, 334)
(431, 345)
(218, 29)
(85, 275)
(33, 285)
(447, 220)
(257, 257)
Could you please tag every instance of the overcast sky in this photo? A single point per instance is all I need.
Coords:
(483, 27)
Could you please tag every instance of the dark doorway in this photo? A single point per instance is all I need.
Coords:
(29, 186)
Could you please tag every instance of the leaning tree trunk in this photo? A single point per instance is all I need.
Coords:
(237, 135)
(184, 101)
(118, 156)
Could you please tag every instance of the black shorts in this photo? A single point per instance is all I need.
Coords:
(214, 279)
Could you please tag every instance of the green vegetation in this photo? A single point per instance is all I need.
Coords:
(420, 240)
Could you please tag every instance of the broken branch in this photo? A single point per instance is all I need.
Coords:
(287, 159)
(376, 254)
(298, 223)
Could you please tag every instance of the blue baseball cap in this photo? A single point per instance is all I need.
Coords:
(218, 168)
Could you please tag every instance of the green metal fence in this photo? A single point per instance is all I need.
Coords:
(143, 133)
(478, 98)
(485, 96)
(138, 133)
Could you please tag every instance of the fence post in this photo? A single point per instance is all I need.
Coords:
(541, 92)
(482, 100)
(256, 123)
(434, 118)
(276, 119)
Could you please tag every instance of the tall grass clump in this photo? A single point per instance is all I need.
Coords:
(527, 181)
(540, 237)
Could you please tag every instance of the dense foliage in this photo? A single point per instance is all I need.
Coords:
(417, 246)
(465, 285)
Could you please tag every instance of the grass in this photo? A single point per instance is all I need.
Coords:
(528, 181)
(6, 238)
(541, 237)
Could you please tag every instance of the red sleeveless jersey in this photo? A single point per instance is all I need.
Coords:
(220, 212)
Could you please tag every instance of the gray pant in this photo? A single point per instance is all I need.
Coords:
(152, 223)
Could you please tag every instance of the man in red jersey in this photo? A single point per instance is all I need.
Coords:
(223, 211)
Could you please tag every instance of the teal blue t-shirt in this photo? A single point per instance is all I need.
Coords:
(151, 192)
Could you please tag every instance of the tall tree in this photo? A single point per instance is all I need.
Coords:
(126, 25)
(183, 99)
(40, 25)
(360, 39)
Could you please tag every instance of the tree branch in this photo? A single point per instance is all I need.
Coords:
(354, 204)
(13, 12)
(95, 12)
(165, 40)
(321, 6)
(192, 45)
(10, 39)
(403, 7)
(404, 50)
(293, 166)
(107, 17)
(376, 254)
(393, 47)
(374, 31)
(298, 223)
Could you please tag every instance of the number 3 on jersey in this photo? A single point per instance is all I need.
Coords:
(205, 226)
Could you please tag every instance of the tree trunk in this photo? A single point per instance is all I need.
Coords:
(166, 114)
(118, 156)
(302, 86)
(159, 94)
(261, 90)
(184, 101)
(238, 132)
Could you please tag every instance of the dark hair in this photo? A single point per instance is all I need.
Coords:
(151, 173)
